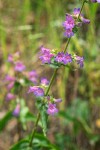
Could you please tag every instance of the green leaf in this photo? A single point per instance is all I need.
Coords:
(94, 138)
(43, 142)
(39, 142)
(5, 120)
(44, 117)
(54, 66)
(25, 115)
(78, 114)
(17, 87)
(75, 29)
(21, 145)
(30, 117)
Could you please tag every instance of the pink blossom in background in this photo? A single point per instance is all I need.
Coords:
(16, 110)
(19, 66)
(33, 76)
(10, 96)
(44, 81)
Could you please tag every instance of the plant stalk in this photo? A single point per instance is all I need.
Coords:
(51, 81)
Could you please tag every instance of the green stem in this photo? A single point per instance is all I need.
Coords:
(51, 81)
(81, 10)
(38, 116)
(67, 45)
(34, 130)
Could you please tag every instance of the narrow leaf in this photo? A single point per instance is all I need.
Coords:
(5, 120)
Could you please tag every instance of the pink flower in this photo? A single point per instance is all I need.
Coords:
(33, 76)
(10, 58)
(9, 78)
(44, 81)
(80, 61)
(19, 66)
(10, 96)
(52, 110)
(59, 100)
(69, 23)
(46, 55)
(10, 85)
(16, 110)
(37, 91)
(69, 33)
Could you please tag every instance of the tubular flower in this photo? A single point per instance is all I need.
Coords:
(59, 100)
(52, 110)
(68, 26)
(76, 11)
(10, 85)
(10, 96)
(36, 90)
(33, 76)
(67, 59)
(10, 58)
(9, 78)
(19, 66)
(63, 58)
(16, 110)
(59, 57)
(76, 14)
(68, 33)
(46, 55)
(80, 61)
(69, 23)
(44, 81)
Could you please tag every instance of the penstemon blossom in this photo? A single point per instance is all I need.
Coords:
(46, 55)
(36, 90)
(68, 26)
(32, 76)
(16, 110)
(44, 81)
(82, 19)
(18, 78)
(80, 61)
(10, 96)
(52, 110)
(19, 66)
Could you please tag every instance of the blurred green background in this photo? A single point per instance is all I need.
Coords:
(25, 25)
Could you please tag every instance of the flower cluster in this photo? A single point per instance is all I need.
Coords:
(63, 58)
(46, 55)
(68, 26)
(73, 21)
(10, 81)
(20, 79)
(18, 65)
(59, 58)
(39, 92)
